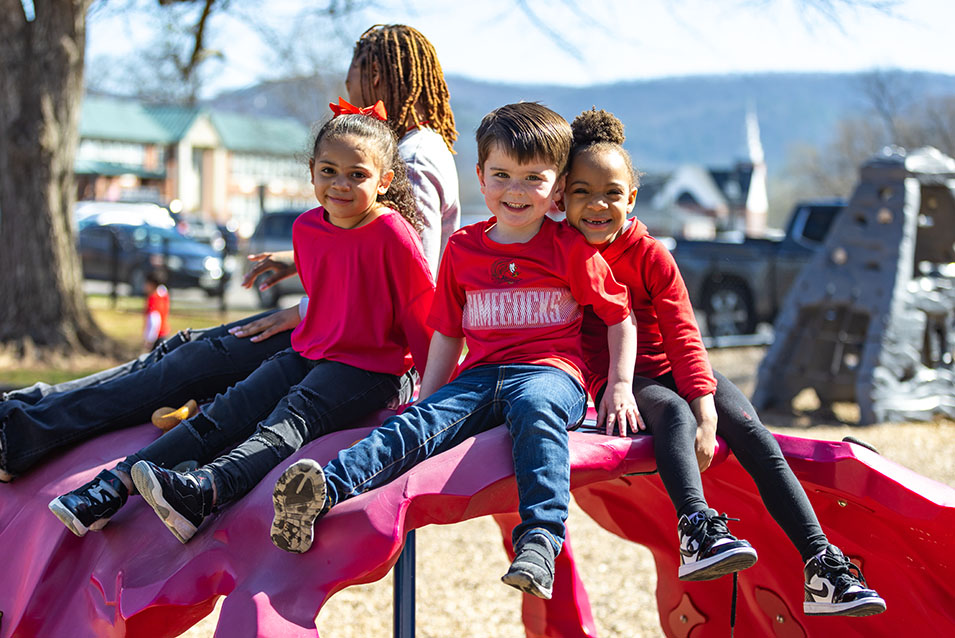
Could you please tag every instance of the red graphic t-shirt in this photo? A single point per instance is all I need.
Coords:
(521, 303)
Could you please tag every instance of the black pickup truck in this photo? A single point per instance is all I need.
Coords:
(738, 284)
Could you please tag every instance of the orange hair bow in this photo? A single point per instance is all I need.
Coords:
(376, 110)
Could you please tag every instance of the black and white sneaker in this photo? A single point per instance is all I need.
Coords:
(181, 500)
(299, 499)
(90, 507)
(835, 587)
(708, 550)
(532, 570)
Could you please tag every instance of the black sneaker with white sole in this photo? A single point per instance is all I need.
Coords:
(532, 570)
(708, 550)
(91, 506)
(835, 587)
(182, 500)
(299, 499)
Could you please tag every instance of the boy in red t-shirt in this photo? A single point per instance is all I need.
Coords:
(512, 288)
(157, 309)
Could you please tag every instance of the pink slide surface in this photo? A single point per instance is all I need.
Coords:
(135, 579)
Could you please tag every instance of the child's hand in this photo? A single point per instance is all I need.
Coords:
(618, 407)
(705, 446)
(262, 329)
(704, 409)
(273, 267)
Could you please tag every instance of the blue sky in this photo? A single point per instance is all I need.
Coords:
(607, 40)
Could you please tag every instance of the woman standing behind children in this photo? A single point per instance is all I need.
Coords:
(360, 261)
(683, 404)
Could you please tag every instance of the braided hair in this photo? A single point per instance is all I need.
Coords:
(598, 130)
(400, 197)
(410, 76)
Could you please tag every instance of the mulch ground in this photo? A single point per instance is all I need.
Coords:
(459, 592)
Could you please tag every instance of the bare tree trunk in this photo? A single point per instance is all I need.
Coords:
(42, 306)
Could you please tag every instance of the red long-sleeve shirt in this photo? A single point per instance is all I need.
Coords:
(668, 338)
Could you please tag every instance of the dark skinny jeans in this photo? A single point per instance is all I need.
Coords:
(193, 364)
(262, 420)
(669, 418)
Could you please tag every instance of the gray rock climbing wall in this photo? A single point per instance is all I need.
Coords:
(871, 318)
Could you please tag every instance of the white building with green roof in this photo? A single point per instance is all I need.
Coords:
(215, 164)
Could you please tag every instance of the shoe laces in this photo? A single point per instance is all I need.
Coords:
(842, 571)
(712, 526)
(716, 525)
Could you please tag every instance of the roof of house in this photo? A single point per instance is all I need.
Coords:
(244, 133)
(175, 120)
(126, 120)
(104, 118)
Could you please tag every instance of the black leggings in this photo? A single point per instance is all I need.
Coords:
(669, 418)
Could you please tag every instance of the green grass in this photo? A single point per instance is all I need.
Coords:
(124, 323)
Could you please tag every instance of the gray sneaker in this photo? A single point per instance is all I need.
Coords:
(299, 500)
(532, 570)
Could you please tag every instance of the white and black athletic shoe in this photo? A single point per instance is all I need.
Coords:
(708, 550)
(835, 587)
(299, 499)
(91, 506)
(181, 500)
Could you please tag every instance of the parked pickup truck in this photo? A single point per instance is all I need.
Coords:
(738, 284)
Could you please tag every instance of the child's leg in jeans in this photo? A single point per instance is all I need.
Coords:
(229, 419)
(541, 404)
(327, 397)
(197, 370)
(758, 452)
(39, 390)
(331, 397)
(466, 406)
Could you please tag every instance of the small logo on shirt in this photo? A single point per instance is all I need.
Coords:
(505, 272)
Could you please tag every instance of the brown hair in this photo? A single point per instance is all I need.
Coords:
(410, 76)
(526, 131)
(597, 131)
(382, 139)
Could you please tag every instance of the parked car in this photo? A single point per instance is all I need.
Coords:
(738, 284)
(201, 230)
(140, 248)
(230, 237)
(274, 234)
(132, 213)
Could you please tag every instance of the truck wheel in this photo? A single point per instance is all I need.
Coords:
(268, 298)
(729, 309)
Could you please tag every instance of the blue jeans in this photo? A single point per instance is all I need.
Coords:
(537, 403)
(193, 364)
(287, 402)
